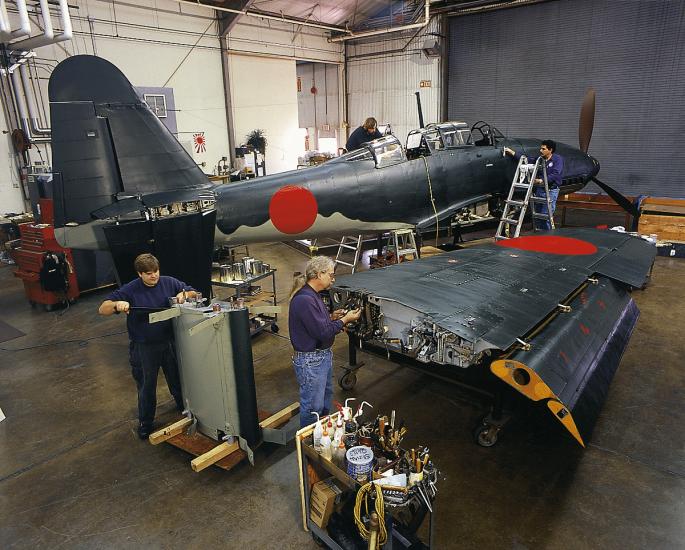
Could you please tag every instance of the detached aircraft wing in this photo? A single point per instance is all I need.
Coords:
(550, 315)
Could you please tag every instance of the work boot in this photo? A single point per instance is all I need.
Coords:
(144, 430)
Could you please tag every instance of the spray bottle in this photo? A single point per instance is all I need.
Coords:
(318, 432)
(339, 431)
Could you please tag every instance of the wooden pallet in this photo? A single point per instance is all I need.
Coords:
(224, 455)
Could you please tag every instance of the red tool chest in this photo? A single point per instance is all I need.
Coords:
(36, 240)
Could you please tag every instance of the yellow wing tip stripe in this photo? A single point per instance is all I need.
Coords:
(526, 381)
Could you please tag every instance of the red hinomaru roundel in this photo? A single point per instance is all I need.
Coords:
(293, 209)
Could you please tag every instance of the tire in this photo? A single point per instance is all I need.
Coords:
(274, 328)
(485, 435)
(348, 381)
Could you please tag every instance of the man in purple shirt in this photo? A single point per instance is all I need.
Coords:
(312, 331)
(151, 345)
(555, 168)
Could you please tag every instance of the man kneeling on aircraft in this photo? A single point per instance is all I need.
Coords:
(555, 168)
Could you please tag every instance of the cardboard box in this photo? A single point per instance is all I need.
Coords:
(323, 498)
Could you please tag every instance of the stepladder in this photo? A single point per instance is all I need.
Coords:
(522, 195)
(405, 243)
(402, 241)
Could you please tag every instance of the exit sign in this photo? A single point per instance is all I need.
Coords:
(425, 84)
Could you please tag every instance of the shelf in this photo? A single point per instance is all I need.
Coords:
(250, 280)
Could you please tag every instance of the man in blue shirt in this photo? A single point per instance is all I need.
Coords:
(366, 132)
(312, 331)
(555, 169)
(151, 345)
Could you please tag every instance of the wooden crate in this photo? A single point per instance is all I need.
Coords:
(663, 217)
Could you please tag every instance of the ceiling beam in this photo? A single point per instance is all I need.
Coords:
(228, 20)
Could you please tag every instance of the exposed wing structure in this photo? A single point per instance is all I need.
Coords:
(546, 313)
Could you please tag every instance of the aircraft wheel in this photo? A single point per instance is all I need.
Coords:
(347, 381)
(486, 435)
(274, 328)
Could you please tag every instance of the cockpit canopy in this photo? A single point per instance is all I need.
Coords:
(384, 151)
(446, 135)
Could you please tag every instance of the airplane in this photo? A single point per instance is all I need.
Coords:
(115, 163)
(123, 183)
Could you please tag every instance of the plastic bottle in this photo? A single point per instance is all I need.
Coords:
(318, 432)
(339, 431)
(326, 447)
(347, 410)
(339, 455)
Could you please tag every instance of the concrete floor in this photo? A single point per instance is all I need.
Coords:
(73, 473)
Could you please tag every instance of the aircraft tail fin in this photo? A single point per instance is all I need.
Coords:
(109, 147)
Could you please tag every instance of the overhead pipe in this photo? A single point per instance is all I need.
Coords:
(260, 15)
(23, 117)
(5, 28)
(48, 35)
(354, 36)
(30, 101)
(24, 24)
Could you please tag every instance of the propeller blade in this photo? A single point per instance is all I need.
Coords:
(621, 200)
(587, 120)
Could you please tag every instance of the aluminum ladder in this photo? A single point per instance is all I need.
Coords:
(521, 196)
(349, 243)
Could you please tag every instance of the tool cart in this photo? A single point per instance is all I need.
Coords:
(332, 500)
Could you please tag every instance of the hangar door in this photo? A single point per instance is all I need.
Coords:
(526, 70)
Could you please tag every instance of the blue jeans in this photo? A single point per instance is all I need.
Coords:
(314, 372)
(541, 208)
(145, 361)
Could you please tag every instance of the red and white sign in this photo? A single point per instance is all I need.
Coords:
(199, 142)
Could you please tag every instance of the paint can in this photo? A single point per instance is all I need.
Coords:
(225, 273)
(257, 267)
(238, 271)
(359, 463)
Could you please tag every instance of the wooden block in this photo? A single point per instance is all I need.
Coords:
(428, 251)
(281, 416)
(214, 455)
(170, 431)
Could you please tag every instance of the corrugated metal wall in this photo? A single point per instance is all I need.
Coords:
(526, 70)
(382, 85)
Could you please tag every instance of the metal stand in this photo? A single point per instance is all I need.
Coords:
(239, 288)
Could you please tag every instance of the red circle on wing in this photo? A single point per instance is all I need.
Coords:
(293, 209)
(550, 244)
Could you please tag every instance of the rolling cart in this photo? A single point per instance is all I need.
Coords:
(313, 468)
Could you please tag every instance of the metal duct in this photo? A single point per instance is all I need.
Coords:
(48, 37)
(24, 24)
(30, 101)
